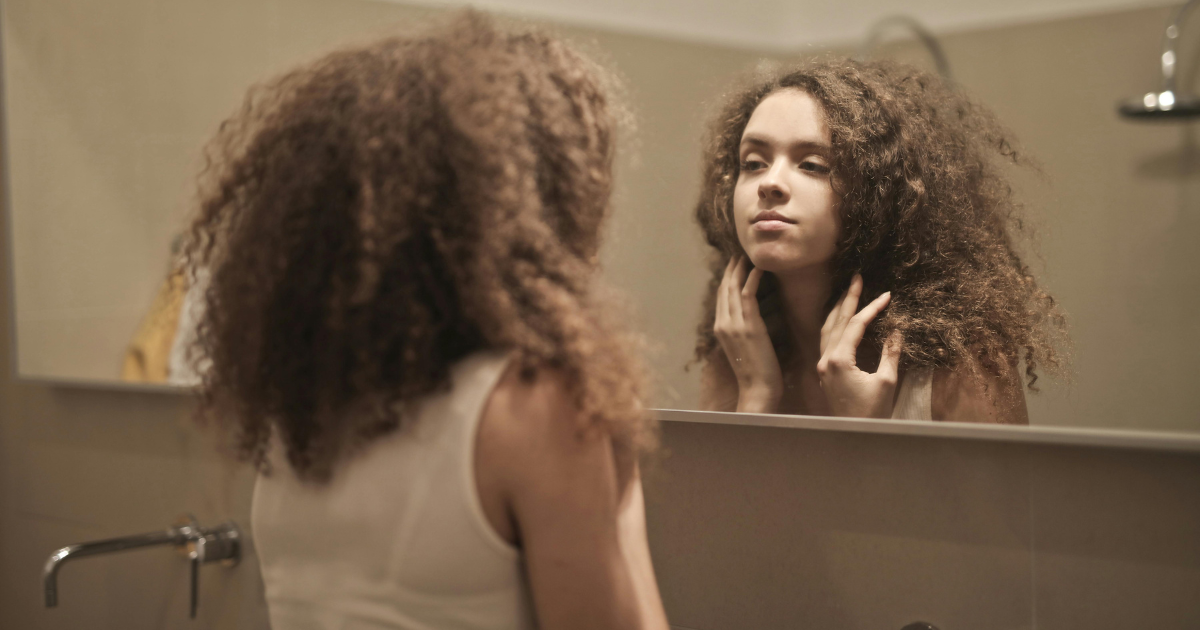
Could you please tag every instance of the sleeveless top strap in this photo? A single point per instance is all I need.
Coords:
(915, 398)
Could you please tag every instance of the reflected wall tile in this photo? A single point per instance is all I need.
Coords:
(200, 59)
(83, 344)
(78, 221)
(782, 528)
(82, 56)
(300, 30)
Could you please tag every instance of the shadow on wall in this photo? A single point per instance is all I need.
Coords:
(1180, 163)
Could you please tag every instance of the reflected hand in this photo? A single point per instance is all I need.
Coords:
(742, 333)
(850, 391)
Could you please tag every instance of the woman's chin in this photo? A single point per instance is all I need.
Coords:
(773, 264)
(790, 255)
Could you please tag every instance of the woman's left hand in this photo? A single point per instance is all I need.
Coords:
(852, 392)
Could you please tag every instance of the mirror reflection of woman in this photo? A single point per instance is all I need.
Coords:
(866, 260)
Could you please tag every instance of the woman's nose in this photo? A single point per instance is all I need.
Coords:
(771, 188)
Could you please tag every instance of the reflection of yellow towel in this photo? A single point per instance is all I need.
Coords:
(148, 353)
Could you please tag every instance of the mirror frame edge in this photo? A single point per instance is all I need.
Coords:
(10, 241)
(1165, 441)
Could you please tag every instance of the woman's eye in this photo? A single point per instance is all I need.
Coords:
(752, 165)
(815, 167)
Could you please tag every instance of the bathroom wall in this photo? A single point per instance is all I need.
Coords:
(773, 528)
(81, 464)
(751, 528)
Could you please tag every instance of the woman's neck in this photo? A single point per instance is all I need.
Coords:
(805, 293)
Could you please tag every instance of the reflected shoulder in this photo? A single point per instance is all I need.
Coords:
(959, 396)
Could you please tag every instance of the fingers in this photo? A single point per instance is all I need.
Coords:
(843, 310)
(723, 293)
(850, 301)
(889, 361)
(733, 291)
(741, 270)
(730, 303)
(827, 329)
(857, 326)
(749, 293)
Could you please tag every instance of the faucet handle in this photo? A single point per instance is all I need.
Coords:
(222, 543)
(213, 544)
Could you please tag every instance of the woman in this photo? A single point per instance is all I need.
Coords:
(402, 330)
(845, 183)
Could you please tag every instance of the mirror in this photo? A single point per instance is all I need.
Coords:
(107, 106)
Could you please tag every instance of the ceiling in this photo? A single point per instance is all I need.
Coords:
(787, 25)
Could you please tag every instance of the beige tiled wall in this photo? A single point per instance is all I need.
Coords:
(762, 528)
(1116, 539)
(80, 464)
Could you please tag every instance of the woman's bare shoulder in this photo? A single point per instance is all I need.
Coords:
(961, 396)
(529, 413)
(532, 442)
(529, 400)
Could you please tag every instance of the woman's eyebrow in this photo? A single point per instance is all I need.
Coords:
(811, 145)
(754, 140)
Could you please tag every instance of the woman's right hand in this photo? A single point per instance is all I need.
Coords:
(742, 333)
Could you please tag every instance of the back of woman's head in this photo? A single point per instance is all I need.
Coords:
(926, 210)
(374, 216)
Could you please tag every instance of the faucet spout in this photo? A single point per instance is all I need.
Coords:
(176, 536)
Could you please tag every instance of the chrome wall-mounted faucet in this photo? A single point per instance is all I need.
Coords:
(911, 24)
(201, 545)
(1168, 102)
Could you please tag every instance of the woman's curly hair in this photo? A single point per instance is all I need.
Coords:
(926, 211)
(375, 216)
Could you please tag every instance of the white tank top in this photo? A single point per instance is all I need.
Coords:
(398, 538)
(914, 401)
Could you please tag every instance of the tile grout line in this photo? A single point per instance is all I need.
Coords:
(1033, 591)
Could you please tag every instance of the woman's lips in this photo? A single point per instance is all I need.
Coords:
(770, 221)
(771, 215)
(770, 225)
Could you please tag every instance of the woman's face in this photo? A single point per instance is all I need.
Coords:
(784, 205)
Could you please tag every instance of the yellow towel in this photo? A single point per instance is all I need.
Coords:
(148, 352)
